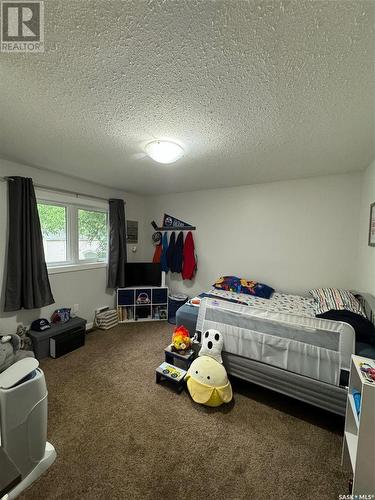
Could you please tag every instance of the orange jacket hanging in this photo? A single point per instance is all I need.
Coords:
(190, 263)
(157, 254)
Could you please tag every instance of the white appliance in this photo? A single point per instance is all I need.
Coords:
(23, 421)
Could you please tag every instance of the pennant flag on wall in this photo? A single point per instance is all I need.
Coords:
(172, 222)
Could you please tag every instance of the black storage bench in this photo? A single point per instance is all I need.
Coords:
(41, 340)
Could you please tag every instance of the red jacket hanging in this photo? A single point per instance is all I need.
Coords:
(157, 254)
(190, 264)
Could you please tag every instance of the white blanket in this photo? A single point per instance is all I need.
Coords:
(279, 302)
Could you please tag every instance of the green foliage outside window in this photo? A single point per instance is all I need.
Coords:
(52, 219)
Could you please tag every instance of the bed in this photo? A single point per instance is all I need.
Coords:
(280, 344)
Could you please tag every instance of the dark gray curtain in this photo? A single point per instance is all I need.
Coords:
(27, 284)
(117, 244)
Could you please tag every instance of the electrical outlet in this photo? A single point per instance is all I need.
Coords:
(75, 308)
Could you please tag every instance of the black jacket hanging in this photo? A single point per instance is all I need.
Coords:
(170, 250)
(177, 254)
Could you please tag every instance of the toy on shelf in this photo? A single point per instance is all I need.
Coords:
(207, 379)
(368, 372)
(181, 341)
(143, 298)
(357, 401)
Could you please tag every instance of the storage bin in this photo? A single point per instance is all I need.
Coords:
(41, 339)
(175, 301)
(106, 319)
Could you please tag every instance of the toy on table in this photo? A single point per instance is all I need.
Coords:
(367, 371)
(61, 315)
(181, 341)
(195, 301)
(207, 379)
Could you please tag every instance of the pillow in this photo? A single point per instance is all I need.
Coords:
(257, 289)
(240, 285)
(328, 299)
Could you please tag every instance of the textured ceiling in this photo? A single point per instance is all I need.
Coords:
(253, 91)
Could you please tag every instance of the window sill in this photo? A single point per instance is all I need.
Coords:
(75, 267)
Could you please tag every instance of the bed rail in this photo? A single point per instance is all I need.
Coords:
(312, 347)
(368, 303)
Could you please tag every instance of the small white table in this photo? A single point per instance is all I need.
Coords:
(359, 438)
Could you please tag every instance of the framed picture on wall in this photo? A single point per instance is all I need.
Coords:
(371, 232)
(132, 231)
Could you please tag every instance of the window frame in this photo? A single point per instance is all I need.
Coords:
(72, 205)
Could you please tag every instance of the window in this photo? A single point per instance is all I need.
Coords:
(72, 234)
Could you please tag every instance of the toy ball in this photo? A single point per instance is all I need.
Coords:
(212, 345)
(181, 340)
(156, 238)
(208, 383)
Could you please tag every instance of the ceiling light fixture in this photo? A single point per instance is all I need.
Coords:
(164, 151)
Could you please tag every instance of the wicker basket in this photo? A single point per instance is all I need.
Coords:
(107, 319)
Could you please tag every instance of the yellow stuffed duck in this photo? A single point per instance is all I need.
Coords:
(207, 379)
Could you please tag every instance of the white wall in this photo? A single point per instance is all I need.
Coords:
(366, 254)
(292, 235)
(86, 288)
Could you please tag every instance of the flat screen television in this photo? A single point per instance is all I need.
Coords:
(142, 274)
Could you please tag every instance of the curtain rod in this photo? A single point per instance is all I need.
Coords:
(58, 190)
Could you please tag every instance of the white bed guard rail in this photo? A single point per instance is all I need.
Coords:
(312, 347)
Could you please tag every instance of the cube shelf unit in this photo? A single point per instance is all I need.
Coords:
(142, 304)
(359, 438)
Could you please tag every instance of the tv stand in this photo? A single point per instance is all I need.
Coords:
(142, 303)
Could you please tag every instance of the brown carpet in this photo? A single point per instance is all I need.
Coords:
(118, 435)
